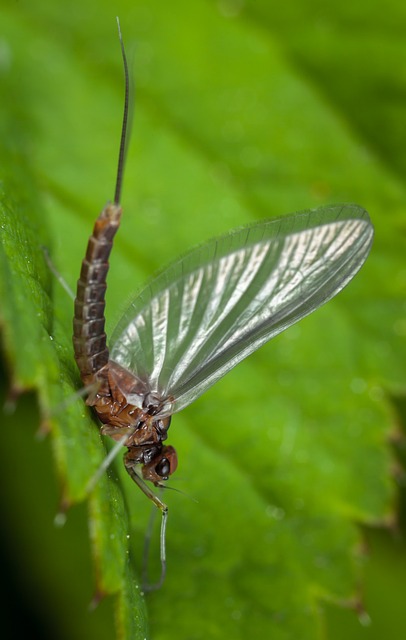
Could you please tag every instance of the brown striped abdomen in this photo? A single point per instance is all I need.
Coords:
(89, 338)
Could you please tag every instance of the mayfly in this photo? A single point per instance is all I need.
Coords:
(200, 317)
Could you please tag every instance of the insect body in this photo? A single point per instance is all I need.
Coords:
(113, 384)
(200, 317)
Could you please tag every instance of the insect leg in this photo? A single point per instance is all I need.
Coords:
(59, 408)
(56, 273)
(164, 511)
(107, 461)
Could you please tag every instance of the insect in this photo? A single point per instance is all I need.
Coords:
(200, 318)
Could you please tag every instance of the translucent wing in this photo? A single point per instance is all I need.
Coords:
(222, 301)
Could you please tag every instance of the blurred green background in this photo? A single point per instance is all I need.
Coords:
(244, 110)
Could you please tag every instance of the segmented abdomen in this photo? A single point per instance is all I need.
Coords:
(89, 338)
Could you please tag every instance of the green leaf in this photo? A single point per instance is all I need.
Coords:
(38, 353)
(240, 114)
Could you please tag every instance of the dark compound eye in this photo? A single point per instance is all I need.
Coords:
(163, 468)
